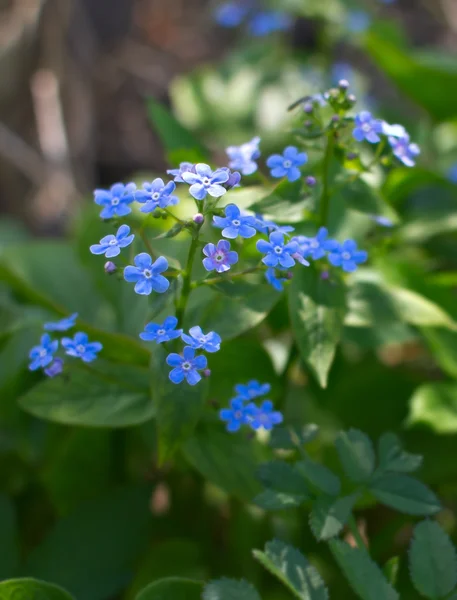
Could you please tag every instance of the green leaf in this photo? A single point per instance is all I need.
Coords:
(329, 516)
(179, 407)
(274, 500)
(435, 405)
(31, 589)
(282, 477)
(406, 494)
(443, 344)
(230, 589)
(360, 196)
(286, 202)
(173, 588)
(418, 310)
(288, 438)
(117, 397)
(319, 477)
(363, 575)
(92, 551)
(356, 455)
(392, 457)
(317, 310)
(432, 561)
(292, 568)
(9, 550)
(391, 569)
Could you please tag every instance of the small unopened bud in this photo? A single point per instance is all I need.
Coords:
(352, 99)
(335, 118)
(233, 180)
(206, 372)
(311, 181)
(343, 84)
(308, 124)
(325, 275)
(289, 275)
(352, 155)
(308, 108)
(110, 267)
(198, 218)
(334, 93)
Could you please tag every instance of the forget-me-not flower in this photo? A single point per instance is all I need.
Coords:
(116, 200)
(268, 21)
(404, 150)
(80, 347)
(147, 274)
(111, 245)
(276, 252)
(211, 342)
(315, 247)
(242, 158)
(43, 354)
(273, 280)
(263, 416)
(252, 389)
(219, 258)
(55, 368)
(231, 14)
(287, 164)
(62, 325)
(156, 194)
(234, 224)
(159, 333)
(367, 128)
(204, 181)
(184, 167)
(237, 415)
(347, 256)
(186, 366)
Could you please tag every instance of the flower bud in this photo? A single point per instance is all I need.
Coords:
(352, 155)
(308, 108)
(311, 181)
(325, 275)
(233, 180)
(289, 275)
(198, 218)
(308, 123)
(335, 118)
(343, 84)
(206, 372)
(110, 267)
(352, 99)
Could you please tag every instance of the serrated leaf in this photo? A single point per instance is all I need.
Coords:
(282, 477)
(290, 566)
(356, 454)
(406, 494)
(319, 477)
(432, 561)
(172, 588)
(288, 438)
(274, 500)
(363, 575)
(230, 589)
(329, 516)
(317, 310)
(31, 589)
(435, 405)
(392, 457)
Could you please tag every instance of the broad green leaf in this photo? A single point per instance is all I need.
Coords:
(293, 569)
(435, 405)
(92, 551)
(282, 477)
(317, 309)
(418, 310)
(173, 588)
(363, 575)
(179, 407)
(360, 196)
(392, 457)
(31, 589)
(286, 202)
(329, 515)
(356, 454)
(288, 438)
(273, 500)
(9, 550)
(432, 561)
(230, 589)
(116, 397)
(319, 477)
(443, 344)
(405, 494)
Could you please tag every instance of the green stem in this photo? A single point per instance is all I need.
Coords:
(187, 278)
(355, 532)
(325, 198)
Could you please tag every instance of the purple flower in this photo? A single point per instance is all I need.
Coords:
(276, 252)
(347, 256)
(115, 200)
(219, 258)
(237, 415)
(211, 342)
(186, 366)
(146, 274)
(204, 181)
(233, 180)
(156, 194)
(277, 283)
(287, 164)
(154, 332)
(42, 355)
(54, 368)
(62, 325)
(234, 225)
(111, 245)
(184, 167)
(315, 247)
(252, 389)
(263, 416)
(80, 347)
(404, 150)
(231, 14)
(242, 158)
(266, 22)
(367, 128)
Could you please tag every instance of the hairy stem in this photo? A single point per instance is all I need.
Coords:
(325, 198)
(187, 278)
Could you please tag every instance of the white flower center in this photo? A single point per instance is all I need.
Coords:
(43, 353)
(236, 222)
(80, 348)
(112, 242)
(147, 273)
(115, 201)
(206, 181)
(186, 366)
(219, 257)
(278, 249)
(366, 127)
(238, 415)
(287, 164)
(160, 331)
(346, 256)
(314, 244)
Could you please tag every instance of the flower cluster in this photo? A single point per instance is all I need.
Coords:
(243, 411)
(259, 22)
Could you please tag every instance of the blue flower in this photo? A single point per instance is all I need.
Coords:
(186, 366)
(404, 150)
(184, 167)
(231, 14)
(263, 416)
(358, 21)
(237, 415)
(277, 283)
(63, 324)
(242, 158)
(276, 251)
(219, 258)
(234, 225)
(161, 333)
(111, 245)
(54, 368)
(252, 389)
(205, 181)
(146, 274)
(266, 22)
(80, 347)
(367, 128)
(233, 180)
(42, 355)
(452, 173)
(347, 256)
(397, 131)
(211, 342)
(115, 200)
(287, 164)
(268, 226)
(156, 194)
(383, 221)
(315, 247)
